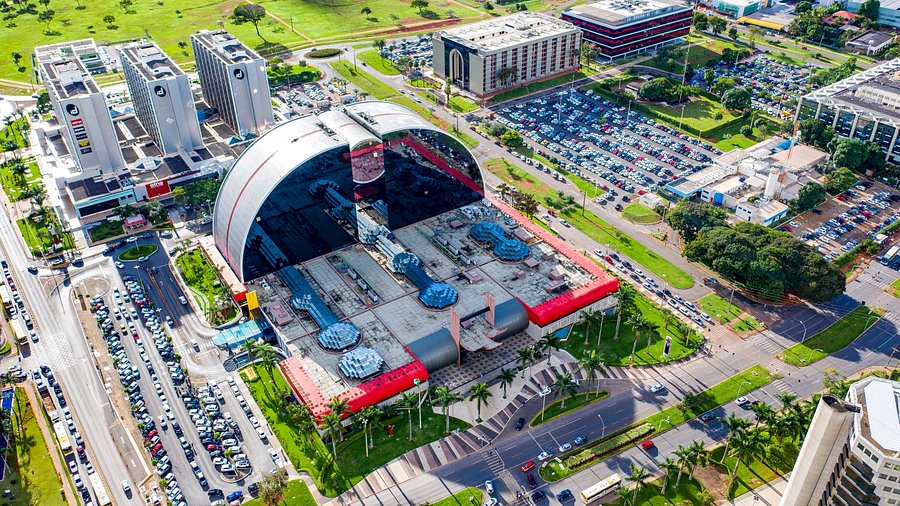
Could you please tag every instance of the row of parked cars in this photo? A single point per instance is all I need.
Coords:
(419, 49)
(783, 82)
(18, 308)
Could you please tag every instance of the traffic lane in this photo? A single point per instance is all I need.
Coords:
(252, 445)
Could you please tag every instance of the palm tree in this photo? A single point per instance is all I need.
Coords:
(684, 328)
(506, 377)
(340, 406)
(526, 356)
(746, 445)
(565, 386)
(600, 329)
(250, 346)
(683, 454)
(591, 363)
(480, 394)
(409, 401)
(333, 422)
(549, 343)
(624, 305)
(640, 324)
(272, 487)
(787, 401)
(668, 466)
(367, 416)
(638, 475)
(590, 318)
(699, 455)
(446, 398)
(379, 45)
(763, 412)
(504, 189)
(668, 318)
(735, 425)
(267, 357)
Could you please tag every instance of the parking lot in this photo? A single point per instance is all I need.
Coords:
(304, 98)
(841, 223)
(772, 84)
(588, 134)
(419, 49)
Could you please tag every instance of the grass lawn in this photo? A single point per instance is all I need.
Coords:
(201, 278)
(699, 113)
(579, 401)
(543, 85)
(893, 288)
(731, 137)
(374, 60)
(37, 237)
(168, 23)
(352, 460)
(135, 252)
(458, 103)
(592, 225)
(466, 497)
(639, 213)
(14, 131)
(834, 338)
(618, 353)
(688, 491)
(779, 458)
(296, 494)
(718, 308)
(307, 453)
(32, 479)
(13, 184)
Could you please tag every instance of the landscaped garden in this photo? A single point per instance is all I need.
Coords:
(208, 291)
(592, 225)
(18, 176)
(688, 491)
(641, 214)
(137, 252)
(377, 62)
(14, 135)
(296, 493)
(39, 239)
(834, 338)
(721, 311)
(106, 229)
(541, 85)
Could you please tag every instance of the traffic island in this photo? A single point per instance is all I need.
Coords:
(135, 253)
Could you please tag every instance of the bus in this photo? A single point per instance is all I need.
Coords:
(62, 438)
(602, 488)
(19, 331)
(99, 490)
(889, 256)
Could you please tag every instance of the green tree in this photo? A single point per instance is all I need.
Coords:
(839, 180)
(367, 417)
(365, 11)
(332, 422)
(656, 90)
(640, 325)
(511, 138)
(565, 386)
(737, 99)
(525, 359)
(735, 425)
(506, 377)
(869, 9)
(591, 363)
(46, 17)
(717, 25)
(549, 343)
(480, 394)
(590, 318)
(709, 75)
(810, 196)
(690, 218)
(250, 13)
(638, 475)
(420, 5)
(802, 7)
(701, 21)
(446, 398)
(272, 487)
(267, 358)
(408, 402)
(733, 33)
(668, 465)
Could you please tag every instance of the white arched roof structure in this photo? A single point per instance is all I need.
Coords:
(277, 153)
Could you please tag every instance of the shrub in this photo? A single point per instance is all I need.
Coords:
(323, 53)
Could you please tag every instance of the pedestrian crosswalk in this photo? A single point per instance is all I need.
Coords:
(630, 373)
(493, 460)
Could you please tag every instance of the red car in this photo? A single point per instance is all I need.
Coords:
(213, 447)
(531, 482)
(152, 433)
(158, 447)
(528, 466)
(647, 444)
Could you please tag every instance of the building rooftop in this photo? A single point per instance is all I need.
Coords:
(879, 420)
(507, 31)
(871, 38)
(67, 76)
(150, 60)
(225, 46)
(623, 12)
(866, 93)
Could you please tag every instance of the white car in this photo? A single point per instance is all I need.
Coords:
(545, 455)
(545, 391)
(657, 388)
(740, 401)
(261, 433)
(489, 487)
(565, 447)
(119, 264)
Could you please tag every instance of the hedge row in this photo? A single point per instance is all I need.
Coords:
(323, 53)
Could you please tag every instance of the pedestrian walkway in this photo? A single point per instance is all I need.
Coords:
(766, 495)
(50, 440)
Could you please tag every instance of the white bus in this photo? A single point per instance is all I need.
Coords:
(62, 438)
(600, 489)
(99, 490)
(886, 259)
(18, 332)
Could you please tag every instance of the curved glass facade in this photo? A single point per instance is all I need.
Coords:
(411, 176)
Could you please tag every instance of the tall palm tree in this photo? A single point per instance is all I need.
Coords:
(506, 377)
(684, 328)
(787, 400)
(504, 190)
(367, 417)
(683, 457)
(668, 318)
(746, 445)
(591, 363)
(640, 324)
(600, 328)
(267, 357)
(446, 398)
(735, 425)
(340, 406)
(252, 348)
(549, 343)
(589, 318)
(379, 45)
(480, 394)
(764, 413)
(638, 475)
(332, 422)
(668, 466)
(565, 386)
(409, 401)
(699, 455)
(624, 305)
(525, 358)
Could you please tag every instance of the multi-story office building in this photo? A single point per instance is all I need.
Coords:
(851, 454)
(80, 106)
(888, 11)
(510, 51)
(623, 28)
(736, 8)
(162, 98)
(865, 106)
(233, 80)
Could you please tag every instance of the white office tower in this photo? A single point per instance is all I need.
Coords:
(851, 454)
(162, 98)
(80, 106)
(233, 80)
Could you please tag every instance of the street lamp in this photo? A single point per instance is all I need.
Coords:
(808, 358)
(804, 331)
(741, 386)
(893, 350)
(659, 425)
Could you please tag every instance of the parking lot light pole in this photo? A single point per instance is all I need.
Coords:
(891, 357)
(810, 354)
(741, 386)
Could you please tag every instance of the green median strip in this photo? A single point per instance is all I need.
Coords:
(592, 225)
(466, 497)
(692, 406)
(834, 338)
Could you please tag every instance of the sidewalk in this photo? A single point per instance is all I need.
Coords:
(51, 443)
(768, 494)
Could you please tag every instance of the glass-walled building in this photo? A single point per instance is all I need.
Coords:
(319, 183)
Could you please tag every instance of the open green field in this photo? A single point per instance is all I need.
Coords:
(13, 184)
(32, 478)
(699, 113)
(135, 252)
(374, 60)
(37, 237)
(352, 460)
(166, 22)
(592, 225)
(834, 338)
(718, 309)
(542, 85)
(731, 137)
(618, 353)
(320, 20)
(295, 494)
(458, 103)
(204, 285)
(468, 497)
(557, 409)
(688, 491)
(363, 80)
(639, 213)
